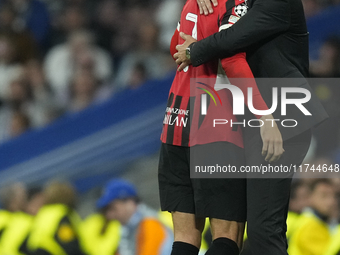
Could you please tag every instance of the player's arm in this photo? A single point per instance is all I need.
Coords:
(237, 67)
(174, 41)
(266, 18)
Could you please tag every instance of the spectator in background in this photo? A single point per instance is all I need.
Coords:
(21, 39)
(71, 19)
(14, 238)
(13, 198)
(334, 247)
(28, 103)
(101, 236)
(33, 15)
(313, 234)
(56, 226)
(20, 123)
(168, 16)
(299, 200)
(78, 53)
(141, 232)
(46, 108)
(10, 69)
(311, 7)
(147, 53)
(328, 64)
(139, 76)
(85, 91)
(125, 41)
(108, 20)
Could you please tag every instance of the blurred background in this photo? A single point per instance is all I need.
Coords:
(84, 84)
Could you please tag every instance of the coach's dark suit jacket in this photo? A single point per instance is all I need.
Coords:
(275, 37)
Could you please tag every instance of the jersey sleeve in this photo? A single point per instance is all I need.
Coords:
(237, 67)
(174, 41)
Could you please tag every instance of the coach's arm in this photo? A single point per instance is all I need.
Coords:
(263, 20)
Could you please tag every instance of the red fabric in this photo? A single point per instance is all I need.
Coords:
(201, 127)
(237, 67)
(174, 42)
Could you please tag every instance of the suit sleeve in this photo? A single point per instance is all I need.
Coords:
(265, 19)
(237, 66)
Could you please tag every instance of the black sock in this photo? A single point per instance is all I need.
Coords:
(223, 246)
(181, 248)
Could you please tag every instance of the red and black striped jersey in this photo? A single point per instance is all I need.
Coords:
(183, 124)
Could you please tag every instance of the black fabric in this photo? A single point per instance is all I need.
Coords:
(181, 248)
(70, 247)
(223, 246)
(267, 199)
(24, 248)
(171, 128)
(175, 188)
(216, 198)
(274, 35)
(40, 252)
(186, 131)
(2, 231)
(265, 19)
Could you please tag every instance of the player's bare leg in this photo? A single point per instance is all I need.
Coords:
(188, 233)
(227, 237)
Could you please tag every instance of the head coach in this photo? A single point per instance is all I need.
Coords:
(273, 33)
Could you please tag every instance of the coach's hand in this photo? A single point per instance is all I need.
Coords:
(181, 58)
(272, 140)
(205, 6)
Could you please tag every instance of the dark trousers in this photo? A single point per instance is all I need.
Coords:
(268, 198)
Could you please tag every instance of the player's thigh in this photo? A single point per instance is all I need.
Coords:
(175, 187)
(221, 198)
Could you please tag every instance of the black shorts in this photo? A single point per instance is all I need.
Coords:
(220, 198)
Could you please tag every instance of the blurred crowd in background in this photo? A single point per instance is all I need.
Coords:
(45, 219)
(62, 57)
